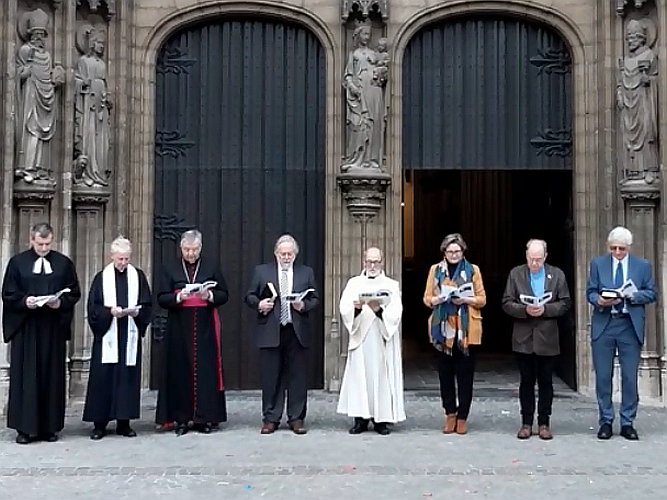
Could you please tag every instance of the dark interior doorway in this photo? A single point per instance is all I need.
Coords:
(497, 212)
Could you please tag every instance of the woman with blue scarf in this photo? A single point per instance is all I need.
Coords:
(454, 326)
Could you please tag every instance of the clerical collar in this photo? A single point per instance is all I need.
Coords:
(41, 264)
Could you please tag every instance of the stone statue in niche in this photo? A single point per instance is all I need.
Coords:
(364, 81)
(92, 129)
(36, 82)
(637, 100)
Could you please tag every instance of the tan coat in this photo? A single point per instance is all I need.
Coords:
(474, 333)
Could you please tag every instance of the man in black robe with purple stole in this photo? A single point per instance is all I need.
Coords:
(38, 325)
(119, 311)
(192, 388)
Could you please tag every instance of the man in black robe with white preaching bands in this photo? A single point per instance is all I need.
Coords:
(191, 387)
(119, 311)
(38, 330)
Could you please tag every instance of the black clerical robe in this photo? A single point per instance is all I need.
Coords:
(114, 389)
(38, 340)
(192, 386)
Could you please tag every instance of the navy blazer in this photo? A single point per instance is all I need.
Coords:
(600, 277)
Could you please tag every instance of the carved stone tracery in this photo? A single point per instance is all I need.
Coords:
(103, 7)
(364, 8)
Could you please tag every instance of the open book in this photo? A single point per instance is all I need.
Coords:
(448, 292)
(198, 287)
(130, 310)
(296, 296)
(624, 292)
(42, 300)
(529, 300)
(382, 297)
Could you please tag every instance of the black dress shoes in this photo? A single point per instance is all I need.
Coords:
(203, 428)
(23, 438)
(360, 425)
(51, 437)
(605, 431)
(126, 431)
(381, 428)
(97, 434)
(629, 432)
(181, 429)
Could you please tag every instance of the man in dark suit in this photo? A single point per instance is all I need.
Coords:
(535, 335)
(617, 324)
(283, 333)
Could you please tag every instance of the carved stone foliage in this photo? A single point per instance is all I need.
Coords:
(106, 8)
(37, 80)
(364, 193)
(637, 102)
(364, 81)
(362, 9)
(623, 5)
(92, 108)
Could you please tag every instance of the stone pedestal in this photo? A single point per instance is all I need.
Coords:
(89, 212)
(33, 205)
(641, 199)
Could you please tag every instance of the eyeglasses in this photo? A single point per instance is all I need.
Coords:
(453, 252)
(373, 262)
(616, 248)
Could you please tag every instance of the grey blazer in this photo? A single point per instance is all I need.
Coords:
(530, 334)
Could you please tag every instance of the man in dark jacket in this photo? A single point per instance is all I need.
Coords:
(536, 295)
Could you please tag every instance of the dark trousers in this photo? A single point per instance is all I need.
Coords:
(536, 368)
(454, 370)
(284, 370)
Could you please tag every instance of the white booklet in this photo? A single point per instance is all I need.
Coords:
(529, 300)
(624, 292)
(297, 296)
(42, 300)
(382, 297)
(448, 292)
(130, 310)
(198, 287)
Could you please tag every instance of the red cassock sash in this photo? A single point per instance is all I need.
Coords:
(194, 301)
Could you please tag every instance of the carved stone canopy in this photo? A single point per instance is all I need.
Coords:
(622, 5)
(90, 196)
(97, 6)
(38, 191)
(363, 8)
(364, 192)
(639, 191)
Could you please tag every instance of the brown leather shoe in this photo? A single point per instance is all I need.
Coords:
(545, 433)
(269, 428)
(461, 426)
(298, 428)
(450, 424)
(525, 431)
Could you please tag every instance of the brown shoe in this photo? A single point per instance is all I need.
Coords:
(525, 431)
(298, 428)
(461, 426)
(450, 424)
(269, 428)
(545, 433)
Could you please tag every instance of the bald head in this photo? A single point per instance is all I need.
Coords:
(536, 254)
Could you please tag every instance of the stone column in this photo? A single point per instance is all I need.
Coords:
(89, 213)
(641, 202)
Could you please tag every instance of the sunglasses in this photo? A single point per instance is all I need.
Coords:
(615, 248)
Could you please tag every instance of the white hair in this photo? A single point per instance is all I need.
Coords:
(287, 238)
(620, 234)
(121, 244)
(534, 241)
(192, 236)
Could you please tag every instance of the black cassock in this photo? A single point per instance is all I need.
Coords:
(114, 389)
(38, 341)
(191, 386)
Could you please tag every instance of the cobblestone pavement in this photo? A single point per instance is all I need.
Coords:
(415, 462)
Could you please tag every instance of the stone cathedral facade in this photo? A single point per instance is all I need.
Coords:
(346, 123)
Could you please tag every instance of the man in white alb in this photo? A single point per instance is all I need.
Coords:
(372, 387)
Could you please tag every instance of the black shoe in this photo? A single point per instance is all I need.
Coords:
(181, 429)
(97, 434)
(23, 438)
(203, 428)
(629, 432)
(51, 437)
(126, 431)
(605, 431)
(360, 425)
(382, 429)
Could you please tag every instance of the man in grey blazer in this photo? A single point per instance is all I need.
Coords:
(535, 335)
(617, 324)
(283, 334)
